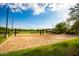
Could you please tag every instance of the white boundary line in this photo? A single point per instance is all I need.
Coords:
(6, 40)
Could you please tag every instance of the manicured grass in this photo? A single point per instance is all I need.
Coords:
(66, 48)
(2, 38)
(27, 32)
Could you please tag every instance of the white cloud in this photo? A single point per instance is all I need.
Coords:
(60, 6)
(18, 7)
(38, 8)
(62, 9)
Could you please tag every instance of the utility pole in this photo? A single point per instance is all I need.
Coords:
(12, 26)
(7, 23)
(15, 32)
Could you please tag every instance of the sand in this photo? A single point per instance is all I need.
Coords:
(24, 41)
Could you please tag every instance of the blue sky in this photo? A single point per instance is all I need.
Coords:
(34, 15)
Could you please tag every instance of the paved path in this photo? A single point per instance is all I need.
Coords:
(23, 41)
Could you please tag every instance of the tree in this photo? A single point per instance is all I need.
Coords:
(74, 16)
(61, 27)
(74, 13)
(75, 27)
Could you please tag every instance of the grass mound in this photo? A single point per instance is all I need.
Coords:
(66, 48)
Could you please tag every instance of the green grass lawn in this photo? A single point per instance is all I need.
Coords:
(66, 48)
(28, 32)
(2, 38)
